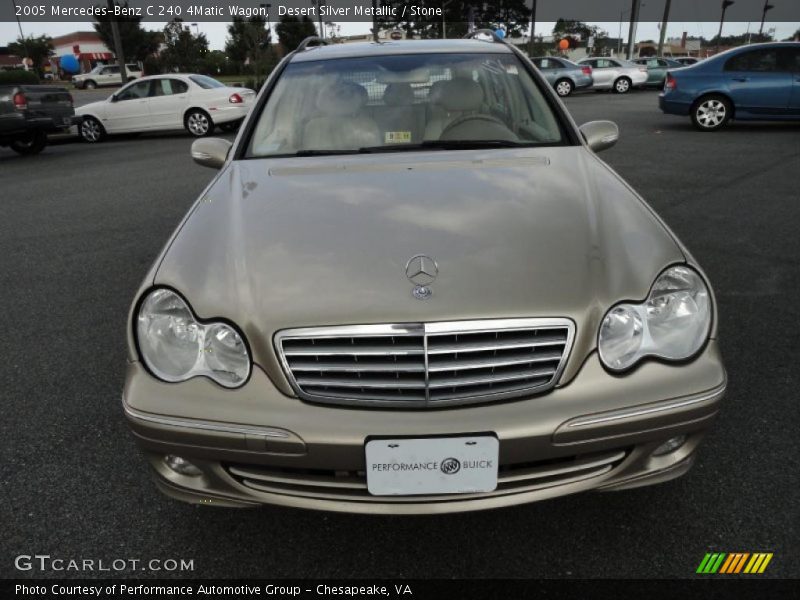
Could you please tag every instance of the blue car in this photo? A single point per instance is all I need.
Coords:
(757, 82)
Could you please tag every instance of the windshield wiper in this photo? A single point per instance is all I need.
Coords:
(324, 152)
(448, 145)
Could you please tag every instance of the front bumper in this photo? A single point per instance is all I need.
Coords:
(255, 445)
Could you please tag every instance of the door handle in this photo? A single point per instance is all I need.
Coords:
(741, 79)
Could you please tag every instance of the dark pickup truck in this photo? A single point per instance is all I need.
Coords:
(29, 112)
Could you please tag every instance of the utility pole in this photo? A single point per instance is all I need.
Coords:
(118, 46)
(632, 29)
(725, 5)
(767, 7)
(664, 22)
(444, 23)
(533, 27)
(21, 35)
(375, 21)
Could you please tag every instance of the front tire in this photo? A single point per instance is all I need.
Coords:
(564, 87)
(622, 85)
(198, 123)
(32, 144)
(91, 130)
(711, 113)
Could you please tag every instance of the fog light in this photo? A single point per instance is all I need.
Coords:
(181, 465)
(670, 445)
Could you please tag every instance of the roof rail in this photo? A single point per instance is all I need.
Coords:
(495, 38)
(310, 40)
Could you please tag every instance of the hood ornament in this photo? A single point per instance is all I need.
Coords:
(422, 270)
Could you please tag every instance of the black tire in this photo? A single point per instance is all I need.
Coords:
(198, 123)
(91, 130)
(32, 144)
(622, 85)
(90, 85)
(711, 113)
(564, 87)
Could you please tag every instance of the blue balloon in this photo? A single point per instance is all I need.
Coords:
(70, 64)
(501, 33)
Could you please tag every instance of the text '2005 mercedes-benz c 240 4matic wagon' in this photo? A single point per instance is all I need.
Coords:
(413, 287)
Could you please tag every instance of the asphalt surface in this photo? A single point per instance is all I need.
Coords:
(81, 224)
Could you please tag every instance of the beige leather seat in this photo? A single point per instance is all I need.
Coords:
(342, 123)
(458, 111)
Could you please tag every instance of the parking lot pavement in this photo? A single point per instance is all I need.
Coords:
(81, 225)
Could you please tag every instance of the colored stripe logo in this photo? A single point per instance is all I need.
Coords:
(732, 563)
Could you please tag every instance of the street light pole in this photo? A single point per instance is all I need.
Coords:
(725, 5)
(767, 7)
(632, 30)
(533, 27)
(664, 22)
(118, 46)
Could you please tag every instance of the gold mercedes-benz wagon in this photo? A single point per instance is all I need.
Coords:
(413, 287)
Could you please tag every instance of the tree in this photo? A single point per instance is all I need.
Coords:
(794, 37)
(738, 40)
(292, 30)
(183, 51)
(137, 44)
(38, 49)
(246, 39)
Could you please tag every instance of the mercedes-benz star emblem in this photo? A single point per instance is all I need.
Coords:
(422, 270)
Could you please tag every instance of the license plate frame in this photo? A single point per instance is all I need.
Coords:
(414, 466)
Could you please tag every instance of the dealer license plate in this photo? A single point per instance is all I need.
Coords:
(453, 465)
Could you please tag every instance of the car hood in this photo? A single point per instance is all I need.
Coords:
(546, 232)
(93, 108)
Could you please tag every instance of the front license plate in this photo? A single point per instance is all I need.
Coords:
(454, 465)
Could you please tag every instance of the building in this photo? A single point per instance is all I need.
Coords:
(9, 61)
(86, 46)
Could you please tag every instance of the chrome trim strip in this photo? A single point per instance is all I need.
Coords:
(638, 412)
(204, 425)
(424, 331)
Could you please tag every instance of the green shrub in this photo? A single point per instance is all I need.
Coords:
(18, 77)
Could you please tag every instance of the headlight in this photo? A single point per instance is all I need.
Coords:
(673, 323)
(175, 346)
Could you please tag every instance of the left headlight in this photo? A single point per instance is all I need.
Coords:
(673, 323)
(176, 346)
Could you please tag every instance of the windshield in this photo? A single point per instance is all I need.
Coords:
(403, 102)
(206, 82)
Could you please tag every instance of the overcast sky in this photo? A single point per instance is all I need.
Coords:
(217, 32)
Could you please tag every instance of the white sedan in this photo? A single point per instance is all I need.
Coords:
(163, 102)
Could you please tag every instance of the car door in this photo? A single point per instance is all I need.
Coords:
(793, 60)
(130, 109)
(604, 72)
(110, 75)
(758, 82)
(546, 66)
(168, 101)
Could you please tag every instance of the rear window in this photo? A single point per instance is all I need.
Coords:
(205, 82)
(397, 101)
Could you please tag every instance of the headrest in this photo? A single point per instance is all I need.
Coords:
(341, 99)
(398, 94)
(457, 94)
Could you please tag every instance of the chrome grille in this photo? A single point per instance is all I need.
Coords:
(425, 364)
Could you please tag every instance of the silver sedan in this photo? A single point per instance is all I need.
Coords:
(615, 74)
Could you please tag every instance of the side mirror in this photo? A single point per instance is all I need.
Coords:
(211, 152)
(600, 135)
(113, 98)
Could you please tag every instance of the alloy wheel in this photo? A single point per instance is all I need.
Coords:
(91, 130)
(198, 123)
(563, 88)
(711, 113)
(622, 86)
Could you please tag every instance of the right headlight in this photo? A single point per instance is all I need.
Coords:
(175, 346)
(673, 323)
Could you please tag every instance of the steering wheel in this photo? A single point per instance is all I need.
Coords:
(477, 117)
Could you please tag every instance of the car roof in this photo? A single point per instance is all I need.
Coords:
(388, 48)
